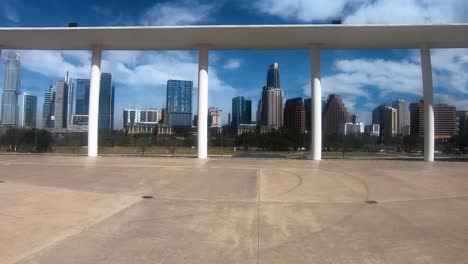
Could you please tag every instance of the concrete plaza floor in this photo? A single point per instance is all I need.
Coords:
(56, 209)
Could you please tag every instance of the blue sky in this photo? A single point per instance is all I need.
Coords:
(365, 78)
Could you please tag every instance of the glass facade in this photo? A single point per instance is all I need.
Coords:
(273, 76)
(179, 102)
(29, 110)
(11, 81)
(106, 103)
(241, 111)
(82, 96)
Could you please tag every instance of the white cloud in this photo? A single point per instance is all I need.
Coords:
(179, 13)
(304, 10)
(232, 64)
(373, 80)
(368, 11)
(54, 64)
(9, 11)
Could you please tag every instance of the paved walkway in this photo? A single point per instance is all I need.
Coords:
(77, 210)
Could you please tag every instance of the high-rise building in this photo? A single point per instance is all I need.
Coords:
(272, 99)
(387, 118)
(11, 90)
(356, 119)
(179, 102)
(106, 103)
(258, 117)
(308, 113)
(372, 130)
(272, 107)
(241, 111)
(29, 111)
(402, 108)
(445, 120)
(294, 114)
(462, 118)
(81, 96)
(334, 115)
(71, 98)
(273, 76)
(60, 105)
(214, 117)
(48, 108)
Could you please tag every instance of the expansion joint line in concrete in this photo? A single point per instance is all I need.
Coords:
(259, 173)
(73, 231)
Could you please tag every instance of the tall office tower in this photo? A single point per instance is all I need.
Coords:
(273, 76)
(415, 121)
(179, 103)
(445, 120)
(61, 105)
(71, 98)
(356, 119)
(29, 111)
(272, 99)
(308, 113)
(272, 107)
(11, 90)
(462, 117)
(81, 96)
(294, 114)
(334, 115)
(214, 117)
(402, 108)
(106, 103)
(387, 118)
(241, 111)
(258, 116)
(164, 116)
(48, 108)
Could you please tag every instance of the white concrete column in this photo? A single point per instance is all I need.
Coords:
(316, 107)
(202, 124)
(93, 114)
(428, 92)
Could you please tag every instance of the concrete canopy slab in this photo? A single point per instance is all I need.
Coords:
(237, 37)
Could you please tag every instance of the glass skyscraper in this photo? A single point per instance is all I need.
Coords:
(179, 102)
(29, 110)
(82, 96)
(273, 76)
(48, 108)
(11, 82)
(61, 105)
(106, 103)
(241, 111)
(272, 99)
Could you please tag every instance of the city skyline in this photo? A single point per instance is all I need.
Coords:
(72, 95)
(361, 77)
